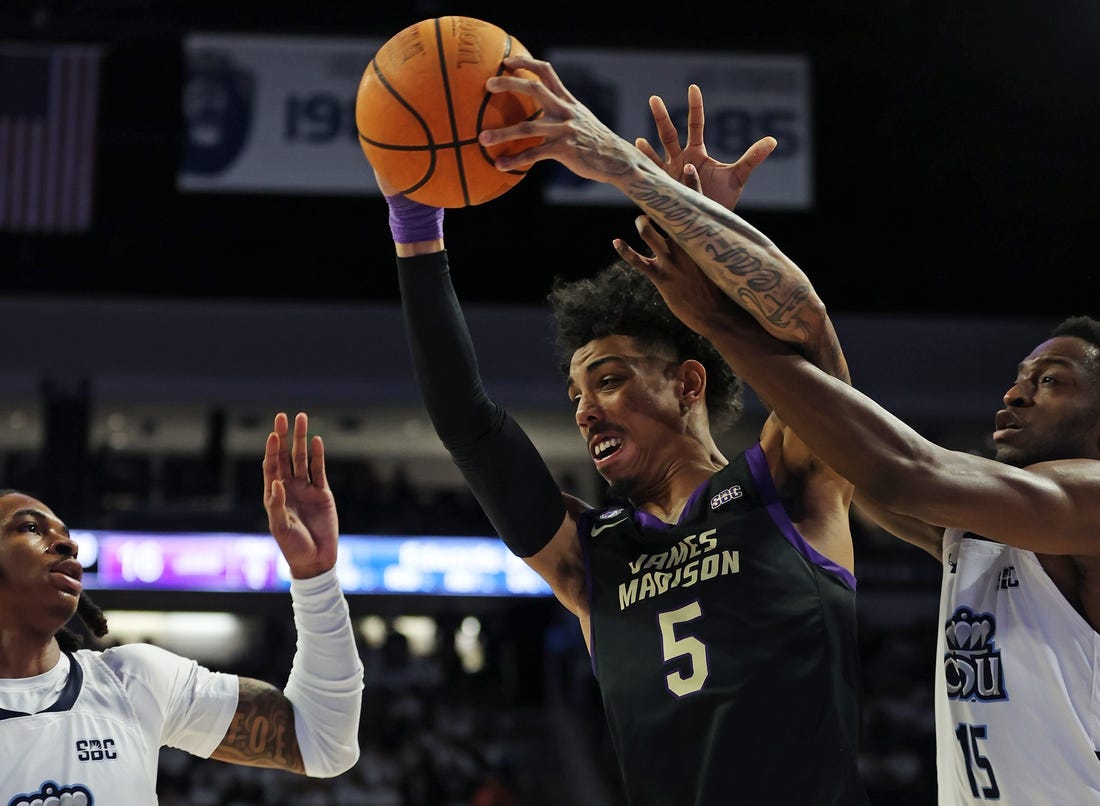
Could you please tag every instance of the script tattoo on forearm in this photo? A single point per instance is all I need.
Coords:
(262, 731)
(762, 288)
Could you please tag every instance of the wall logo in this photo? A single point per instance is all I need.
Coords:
(217, 111)
(972, 663)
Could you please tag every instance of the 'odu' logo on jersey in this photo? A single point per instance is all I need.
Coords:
(972, 664)
(724, 497)
(50, 793)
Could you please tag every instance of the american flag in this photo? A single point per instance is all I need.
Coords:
(49, 102)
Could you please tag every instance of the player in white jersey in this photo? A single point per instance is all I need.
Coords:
(81, 726)
(1018, 663)
(1015, 716)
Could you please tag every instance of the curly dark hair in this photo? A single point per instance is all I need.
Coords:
(1083, 327)
(619, 300)
(88, 611)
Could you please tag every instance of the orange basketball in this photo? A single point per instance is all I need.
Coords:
(422, 101)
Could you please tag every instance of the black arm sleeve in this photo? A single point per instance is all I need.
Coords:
(498, 460)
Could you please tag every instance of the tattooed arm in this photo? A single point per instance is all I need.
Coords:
(737, 257)
(311, 726)
(262, 731)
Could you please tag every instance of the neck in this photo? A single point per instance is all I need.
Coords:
(668, 499)
(23, 656)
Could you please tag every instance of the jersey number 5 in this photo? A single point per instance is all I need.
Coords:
(689, 647)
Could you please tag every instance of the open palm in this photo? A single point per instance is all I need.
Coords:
(721, 181)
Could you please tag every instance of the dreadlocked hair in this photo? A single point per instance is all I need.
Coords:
(619, 300)
(93, 619)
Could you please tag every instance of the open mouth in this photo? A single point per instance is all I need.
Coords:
(603, 448)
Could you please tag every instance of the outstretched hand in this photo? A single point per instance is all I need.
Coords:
(301, 510)
(569, 132)
(721, 181)
(692, 296)
(566, 130)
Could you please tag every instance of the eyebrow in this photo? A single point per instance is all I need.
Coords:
(37, 514)
(1046, 361)
(569, 382)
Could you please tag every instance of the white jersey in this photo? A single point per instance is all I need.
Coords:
(96, 739)
(1017, 694)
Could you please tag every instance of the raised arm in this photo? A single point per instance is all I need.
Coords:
(920, 487)
(500, 464)
(737, 257)
(809, 327)
(1050, 507)
(311, 727)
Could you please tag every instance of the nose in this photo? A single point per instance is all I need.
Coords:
(65, 546)
(588, 411)
(1019, 394)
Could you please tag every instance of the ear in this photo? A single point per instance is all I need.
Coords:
(693, 375)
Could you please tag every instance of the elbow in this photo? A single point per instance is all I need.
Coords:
(335, 759)
(815, 338)
(811, 325)
(326, 727)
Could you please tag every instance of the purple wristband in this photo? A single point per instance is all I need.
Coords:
(412, 221)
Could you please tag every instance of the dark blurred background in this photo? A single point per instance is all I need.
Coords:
(955, 163)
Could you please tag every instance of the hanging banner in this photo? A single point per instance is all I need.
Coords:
(745, 97)
(273, 114)
(276, 114)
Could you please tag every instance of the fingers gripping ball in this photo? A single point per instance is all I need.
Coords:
(422, 102)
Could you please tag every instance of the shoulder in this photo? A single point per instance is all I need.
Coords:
(1083, 472)
(574, 505)
(151, 665)
(137, 655)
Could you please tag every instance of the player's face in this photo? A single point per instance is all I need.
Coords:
(39, 573)
(1052, 411)
(627, 409)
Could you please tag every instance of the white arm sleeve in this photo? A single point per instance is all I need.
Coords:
(325, 686)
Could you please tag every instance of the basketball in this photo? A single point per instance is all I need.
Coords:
(422, 102)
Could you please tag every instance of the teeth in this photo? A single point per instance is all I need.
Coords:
(605, 446)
